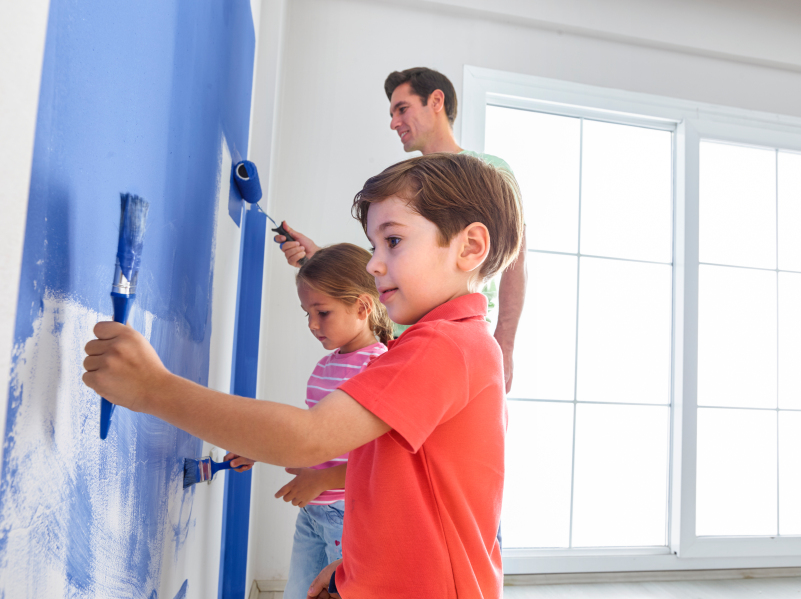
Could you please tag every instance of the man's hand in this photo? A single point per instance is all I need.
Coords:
(306, 486)
(319, 588)
(239, 463)
(122, 366)
(295, 250)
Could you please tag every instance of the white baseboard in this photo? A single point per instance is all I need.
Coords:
(268, 586)
(659, 576)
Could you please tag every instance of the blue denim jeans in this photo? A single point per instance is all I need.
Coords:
(317, 543)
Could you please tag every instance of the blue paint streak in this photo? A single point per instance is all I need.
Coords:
(182, 592)
(236, 501)
(135, 96)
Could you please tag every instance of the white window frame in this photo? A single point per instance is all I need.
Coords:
(691, 122)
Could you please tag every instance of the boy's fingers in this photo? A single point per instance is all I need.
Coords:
(279, 239)
(96, 347)
(109, 330)
(282, 491)
(293, 470)
(92, 363)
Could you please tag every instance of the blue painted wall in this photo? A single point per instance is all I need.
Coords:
(135, 96)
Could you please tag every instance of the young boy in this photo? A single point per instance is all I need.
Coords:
(424, 423)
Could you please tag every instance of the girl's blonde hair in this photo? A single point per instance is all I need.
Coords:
(340, 271)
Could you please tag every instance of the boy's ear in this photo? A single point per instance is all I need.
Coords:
(475, 244)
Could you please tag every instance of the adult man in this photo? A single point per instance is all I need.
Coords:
(422, 109)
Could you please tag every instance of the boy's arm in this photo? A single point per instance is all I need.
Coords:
(125, 369)
(511, 297)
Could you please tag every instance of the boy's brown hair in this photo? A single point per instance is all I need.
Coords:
(453, 191)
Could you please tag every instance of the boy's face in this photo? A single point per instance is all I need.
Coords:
(413, 273)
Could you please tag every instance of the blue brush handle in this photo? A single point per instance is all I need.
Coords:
(122, 307)
(217, 466)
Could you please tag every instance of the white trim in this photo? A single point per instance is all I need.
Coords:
(23, 29)
(655, 576)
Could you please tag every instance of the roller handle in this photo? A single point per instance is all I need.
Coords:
(281, 231)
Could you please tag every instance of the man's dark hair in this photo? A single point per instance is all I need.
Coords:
(424, 82)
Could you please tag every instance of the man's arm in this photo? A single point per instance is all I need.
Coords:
(511, 297)
(125, 369)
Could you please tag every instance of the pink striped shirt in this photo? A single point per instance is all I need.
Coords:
(330, 372)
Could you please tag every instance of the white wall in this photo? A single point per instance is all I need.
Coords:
(332, 121)
(23, 26)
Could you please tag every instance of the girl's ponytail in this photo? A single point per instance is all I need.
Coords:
(340, 271)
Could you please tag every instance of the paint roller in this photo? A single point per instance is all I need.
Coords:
(246, 177)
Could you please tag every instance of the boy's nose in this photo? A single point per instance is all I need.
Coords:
(375, 266)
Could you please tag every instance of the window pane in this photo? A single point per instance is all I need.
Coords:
(626, 192)
(624, 331)
(736, 473)
(737, 205)
(790, 473)
(544, 152)
(736, 337)
(545, 358)
(789, 340)
(621, 472)
(789, 211)
(536, 495)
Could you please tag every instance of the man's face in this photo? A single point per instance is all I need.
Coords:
(413, 121)
(413, 273)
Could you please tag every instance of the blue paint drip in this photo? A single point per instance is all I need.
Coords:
(133, 96)
(236, 502)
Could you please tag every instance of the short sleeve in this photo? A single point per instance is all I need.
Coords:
(421, 382)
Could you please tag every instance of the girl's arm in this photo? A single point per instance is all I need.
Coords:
(125, 369)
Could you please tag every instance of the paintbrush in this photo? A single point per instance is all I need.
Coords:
(133, 213)
(204, 469)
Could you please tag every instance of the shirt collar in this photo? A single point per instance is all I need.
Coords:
(472, 305)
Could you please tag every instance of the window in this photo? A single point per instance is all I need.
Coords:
(655, 415)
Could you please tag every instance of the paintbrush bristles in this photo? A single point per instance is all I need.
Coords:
(133, 213)
(191, 472)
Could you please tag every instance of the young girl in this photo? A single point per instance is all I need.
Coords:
(341, 303)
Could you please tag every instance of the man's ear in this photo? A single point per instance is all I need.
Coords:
(437, 100)
(474, 241)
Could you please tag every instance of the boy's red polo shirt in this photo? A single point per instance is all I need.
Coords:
(423, 501)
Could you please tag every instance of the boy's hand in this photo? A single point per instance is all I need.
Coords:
(239, 463)
(295, 250)
(307, 485)
(122, 366)
(319, 588)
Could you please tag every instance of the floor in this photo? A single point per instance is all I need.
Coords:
(769, 588)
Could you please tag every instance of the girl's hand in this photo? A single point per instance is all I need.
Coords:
(306, 486)
(319, 588)
(239, 463)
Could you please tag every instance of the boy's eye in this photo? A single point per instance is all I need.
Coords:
(393, 241)
(323, 313)
(372, 250)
